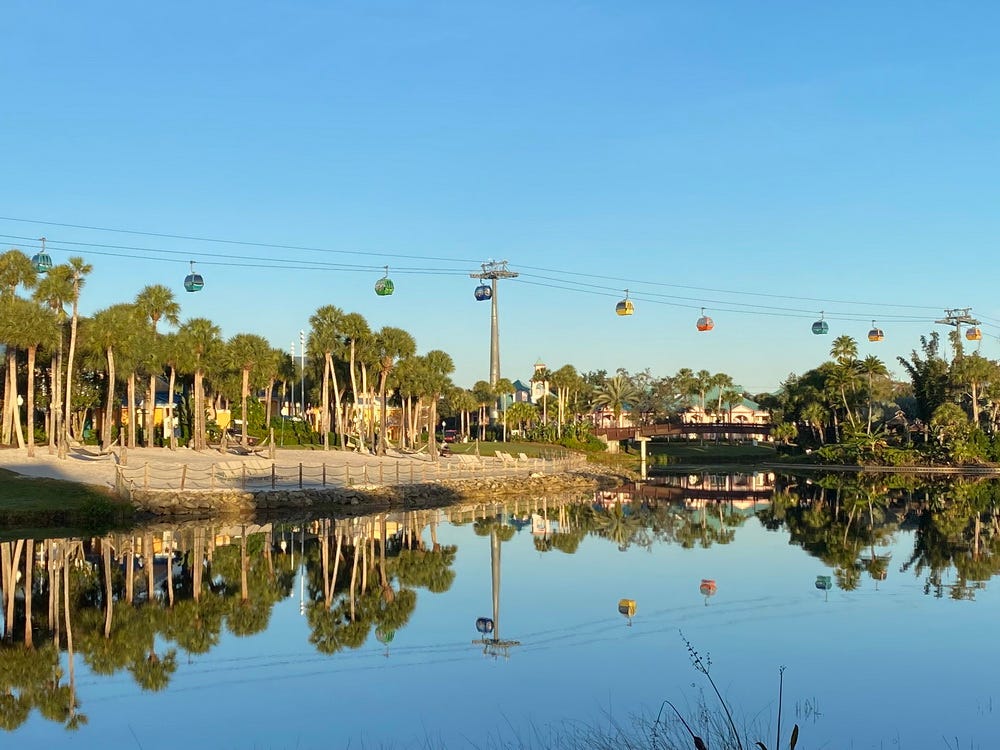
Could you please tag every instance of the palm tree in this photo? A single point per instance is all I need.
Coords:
(325, 336)
(501, 389)
(616, 393)
(542, 376)
(721, 382)
(814, 415)
(356, 335)
(521, 412)
(245, 352)
(79, 271)
(27, 325)
(109, 331)
(563, 380)
(391, 345)
(16, 270)
(200, 340)
(154, 303)
(844, 349)
(872, 367)
(54, 290)
(439, 365)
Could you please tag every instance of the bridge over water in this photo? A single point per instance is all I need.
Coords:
(682, 430)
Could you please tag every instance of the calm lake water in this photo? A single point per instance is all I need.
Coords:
(312, 633)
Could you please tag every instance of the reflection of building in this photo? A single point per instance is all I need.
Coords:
(740, 491)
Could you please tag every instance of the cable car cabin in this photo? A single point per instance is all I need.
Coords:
(193, 282)
(384, 287)
(483, 292)
(626, 607)
(41, 261)
(625, 307)
(875, 334)
(820, 327)
(707, 587)
(974, 334)
(705, 323)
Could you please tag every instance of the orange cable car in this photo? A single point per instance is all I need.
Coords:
(705, 323)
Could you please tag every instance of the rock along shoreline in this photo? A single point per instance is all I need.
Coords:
(237, 502)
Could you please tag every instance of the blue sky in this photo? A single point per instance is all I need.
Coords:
(838, 157)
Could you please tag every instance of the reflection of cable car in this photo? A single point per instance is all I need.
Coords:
(875, 334)
(627, 608)
(705, 323)
(483, 293)
(824, 583)
(974, 334)
(625, 307)
(384, 286)
(820, 326)
(41, 260)
(707, 588)
(484, 625)
(193, 282)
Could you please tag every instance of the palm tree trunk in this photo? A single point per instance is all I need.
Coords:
(150, 411)
(29, 567)
(325, 417)
(30, 400)
(132, 406)
(109, 404)
(170, 409)
(65, 434)
(244, 395)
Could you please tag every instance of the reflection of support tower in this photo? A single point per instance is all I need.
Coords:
(495, 646)
(493, 270)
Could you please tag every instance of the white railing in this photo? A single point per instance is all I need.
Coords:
(259, 474)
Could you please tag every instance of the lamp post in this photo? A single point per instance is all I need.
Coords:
(302, 355)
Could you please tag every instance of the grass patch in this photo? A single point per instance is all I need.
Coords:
(48, 503)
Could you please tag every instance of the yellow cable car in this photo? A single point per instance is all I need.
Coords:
(625, 307)
(875, 334)
(974, 334)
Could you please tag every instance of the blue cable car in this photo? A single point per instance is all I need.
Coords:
(484, 292)
(193, 282)
(820, 326)
(41, 260)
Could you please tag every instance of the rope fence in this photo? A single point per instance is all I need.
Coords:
(259, 474)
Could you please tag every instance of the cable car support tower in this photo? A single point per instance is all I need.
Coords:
(493, 270)
(959, 317)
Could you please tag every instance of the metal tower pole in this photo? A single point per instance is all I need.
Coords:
(494, 339)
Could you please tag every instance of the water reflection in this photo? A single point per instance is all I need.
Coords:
(133, 603)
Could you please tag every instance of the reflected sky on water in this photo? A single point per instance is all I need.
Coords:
(899, 649)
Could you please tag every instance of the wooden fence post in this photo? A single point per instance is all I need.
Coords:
(184, 471)
(300, 476)
(324, 473)
(274, 475)
(243, 481)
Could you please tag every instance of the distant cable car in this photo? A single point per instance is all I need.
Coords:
(484, 292)
(820, 326)
(193, 282)
(625, 307)
(875, 334)
(41, 260)
(627, 607)
(484, 625)
(705, 323)
(974, 334)
(384, 286)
